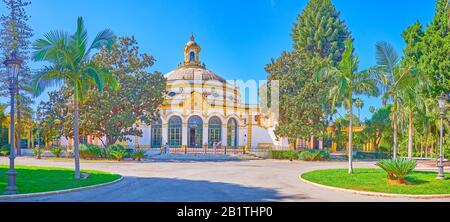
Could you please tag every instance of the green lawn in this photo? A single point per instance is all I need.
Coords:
(375, 180)
(43, 179)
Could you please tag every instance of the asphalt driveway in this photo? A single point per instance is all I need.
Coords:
(221, 181)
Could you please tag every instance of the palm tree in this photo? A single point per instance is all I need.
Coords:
(414, 104)
(359, 104)
(394, 80)
(71, 63)
(349, 81)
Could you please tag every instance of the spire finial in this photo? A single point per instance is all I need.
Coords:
(192, 37)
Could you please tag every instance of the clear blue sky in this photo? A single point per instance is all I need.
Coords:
(238, 37)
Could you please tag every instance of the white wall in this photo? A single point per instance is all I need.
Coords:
(260, 135)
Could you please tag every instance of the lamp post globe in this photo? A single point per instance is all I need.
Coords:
(442, 100)
(12, 63)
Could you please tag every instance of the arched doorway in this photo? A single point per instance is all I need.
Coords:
(214, 131)
(195, 132)
(175, 132)
(232, 137)
(156, 134)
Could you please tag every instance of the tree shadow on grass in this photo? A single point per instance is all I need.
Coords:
(137, 189)
(33, 179)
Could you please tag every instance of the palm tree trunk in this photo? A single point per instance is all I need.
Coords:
(410, 136)
(395, 136)
(76, 138)
(421, 150)
(350, 140)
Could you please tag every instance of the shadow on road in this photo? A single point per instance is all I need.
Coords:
(136, 189)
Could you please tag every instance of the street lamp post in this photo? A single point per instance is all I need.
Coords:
(442, 99)
(12, 64)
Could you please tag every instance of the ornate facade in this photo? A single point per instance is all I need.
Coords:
(201, 109)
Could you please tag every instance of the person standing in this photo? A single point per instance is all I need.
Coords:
(167, 148)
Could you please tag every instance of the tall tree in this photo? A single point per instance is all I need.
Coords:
(395, 81)
(318, 37)
(114, 114)
(15, 35)
(301, 97)
(377, 126)
(347, 82)
(71, 63)
(320, 31)
(437, 40)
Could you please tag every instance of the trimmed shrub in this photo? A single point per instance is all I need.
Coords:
(314, 155)
(139, 155)
(398, 169)
(283, 154)
(89, 151)
(56, 151)
(371, 155)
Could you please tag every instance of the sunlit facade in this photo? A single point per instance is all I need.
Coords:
(202, 110)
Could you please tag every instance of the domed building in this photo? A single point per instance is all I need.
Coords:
(202, 109)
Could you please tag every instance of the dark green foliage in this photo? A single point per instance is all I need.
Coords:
(372, 155)
(319, 30)
(4, 150)
(318, 38)
(428, 49)
(305, 155)
(283, 154)
(314, 155)
(89, 151)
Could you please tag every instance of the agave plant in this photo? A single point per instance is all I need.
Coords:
(398, 169)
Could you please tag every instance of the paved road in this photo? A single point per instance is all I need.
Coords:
(226, 181)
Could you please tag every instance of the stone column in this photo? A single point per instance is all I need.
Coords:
(184, 134)
(321, 144)
(205, 134)
(165, 133)
(224, 135)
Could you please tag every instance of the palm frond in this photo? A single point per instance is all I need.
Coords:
(104, 38)
(51, 46)
(48, 77)
(386, 56)
(79, 40)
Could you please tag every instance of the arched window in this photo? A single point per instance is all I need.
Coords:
(232, 137)
(192, 57)
(195, 132)
(156, 134)
(214, 131)
(175, 132)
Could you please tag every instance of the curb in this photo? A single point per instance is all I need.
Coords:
(377, 194)
(21, 196)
